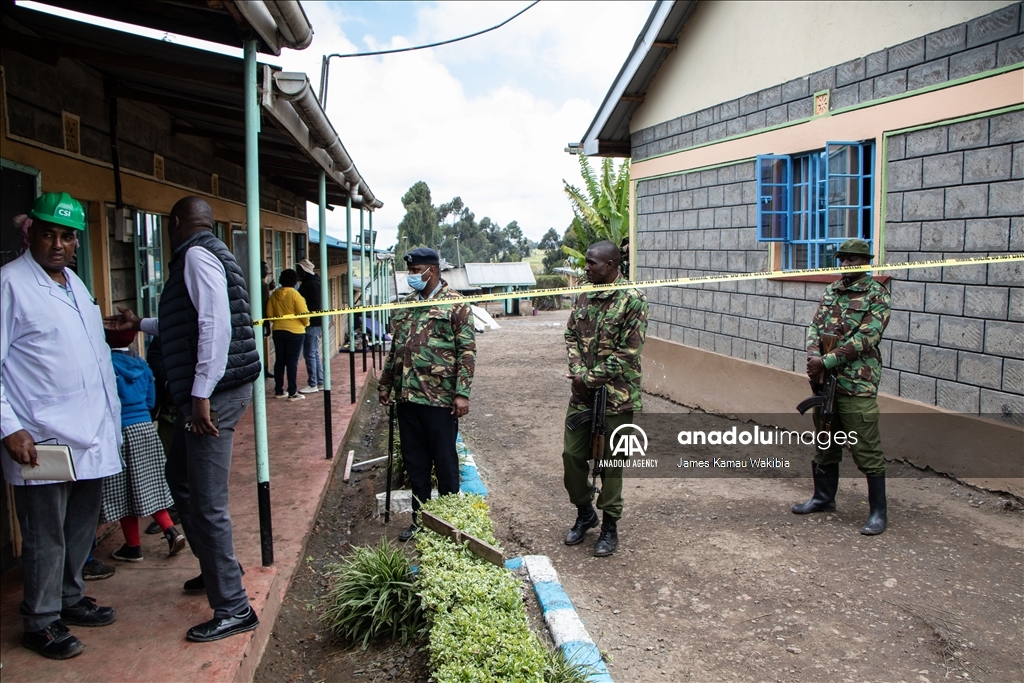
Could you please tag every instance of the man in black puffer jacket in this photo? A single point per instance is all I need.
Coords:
(210, 360)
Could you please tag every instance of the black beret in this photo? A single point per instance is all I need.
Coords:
(422, 256)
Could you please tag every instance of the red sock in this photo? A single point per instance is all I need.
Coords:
(163, 519)
(130, 529)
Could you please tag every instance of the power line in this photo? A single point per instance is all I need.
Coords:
(443, 42)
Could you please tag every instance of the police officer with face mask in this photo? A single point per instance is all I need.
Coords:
(428, 373)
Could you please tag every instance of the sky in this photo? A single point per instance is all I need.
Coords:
(486, 119)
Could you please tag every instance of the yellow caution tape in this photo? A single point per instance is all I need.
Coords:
(683, 281)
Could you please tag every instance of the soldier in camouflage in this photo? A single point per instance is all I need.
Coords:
(856, 310)
(428, 373)
(604, 338)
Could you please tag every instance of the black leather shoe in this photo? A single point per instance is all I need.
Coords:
(175, 541)
(215, 629)
(154, 529)
(53, 642)
(197, 583)
(586, 518)
(608, 541)
(87, 613)
(408, 533)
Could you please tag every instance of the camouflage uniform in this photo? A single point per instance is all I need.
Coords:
(433, 355)
(431, 361)
(604, 338)
(857, 313)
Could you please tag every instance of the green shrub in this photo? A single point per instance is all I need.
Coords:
(479, 630)
(549, 303)
(372, 595)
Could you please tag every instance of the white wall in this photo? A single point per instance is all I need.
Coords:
(729, 48)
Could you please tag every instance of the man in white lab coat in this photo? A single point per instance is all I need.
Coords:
(57, 384)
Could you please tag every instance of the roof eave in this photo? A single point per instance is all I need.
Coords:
(604, 137)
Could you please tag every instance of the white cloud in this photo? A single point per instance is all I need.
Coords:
(486, 119)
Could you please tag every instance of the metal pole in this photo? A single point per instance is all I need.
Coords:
(375, 272)
(351, 296)
(252, 220)
(325, 338)
(362, 277)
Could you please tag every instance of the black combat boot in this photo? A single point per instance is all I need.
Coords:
(878, 510)
(826, 482)
(608, 541)
(586, 518)
(411, 531)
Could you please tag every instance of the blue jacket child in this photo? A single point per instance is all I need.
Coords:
(140, 490)
(135, 387)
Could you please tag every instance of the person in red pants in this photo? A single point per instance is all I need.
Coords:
(140, 489)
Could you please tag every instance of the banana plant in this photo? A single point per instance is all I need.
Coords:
(602, 212)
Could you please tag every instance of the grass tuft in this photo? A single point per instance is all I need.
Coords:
(372, 596)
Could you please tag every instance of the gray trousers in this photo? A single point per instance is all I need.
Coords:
(58, 525)
(198, 469)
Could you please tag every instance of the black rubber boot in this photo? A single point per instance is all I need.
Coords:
(876, 502)
(608, 541)
(826, 483)
(586, 518)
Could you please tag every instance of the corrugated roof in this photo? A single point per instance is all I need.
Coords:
(458, 280)
(500, 274)
(335, 243)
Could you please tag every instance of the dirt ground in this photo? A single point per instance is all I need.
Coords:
(714, 579)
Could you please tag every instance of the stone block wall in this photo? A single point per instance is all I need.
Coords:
(703, 223)
(956, 339)
(956, 336)
(988, 42)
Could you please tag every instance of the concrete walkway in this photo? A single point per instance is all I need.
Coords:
(147, 642)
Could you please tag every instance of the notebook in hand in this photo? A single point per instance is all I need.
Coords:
(55, 464)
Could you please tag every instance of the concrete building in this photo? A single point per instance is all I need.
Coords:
(129, 125)
(762, 135)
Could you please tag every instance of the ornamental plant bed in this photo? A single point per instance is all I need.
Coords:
(479, 629)
(301, 650)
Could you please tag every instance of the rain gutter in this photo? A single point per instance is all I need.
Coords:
(280, 23)
(289, 98)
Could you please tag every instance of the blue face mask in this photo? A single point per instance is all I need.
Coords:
(416, 282)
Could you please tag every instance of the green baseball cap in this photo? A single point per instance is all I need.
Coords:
(59, 208)
(855, 247)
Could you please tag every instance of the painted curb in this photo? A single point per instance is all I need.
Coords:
(565, 625)
(470, 481)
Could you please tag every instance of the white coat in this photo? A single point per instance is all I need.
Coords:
(56, 378)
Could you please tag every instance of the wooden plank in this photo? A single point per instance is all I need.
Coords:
(366, 463)
(348, 465)
(484, 551)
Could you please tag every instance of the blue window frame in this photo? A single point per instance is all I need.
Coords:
(811, 203)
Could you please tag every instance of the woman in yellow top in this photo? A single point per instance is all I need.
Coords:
(288, 334)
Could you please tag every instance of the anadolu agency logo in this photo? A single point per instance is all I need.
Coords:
(629, 448)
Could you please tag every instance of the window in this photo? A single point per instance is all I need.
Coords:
(149, 266)
(300, 247)
(278, 255)
(811, 203)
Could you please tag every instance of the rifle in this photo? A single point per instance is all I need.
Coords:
(598, 418)
(824, 398)
(391, 458)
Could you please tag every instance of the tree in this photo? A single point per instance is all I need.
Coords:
(550, 240)
(419, 226)
(551, 243)
(602, 213)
